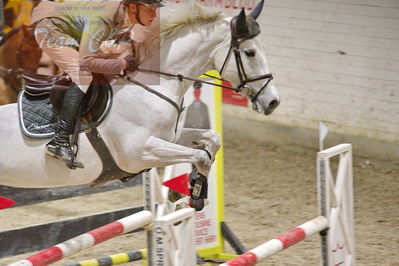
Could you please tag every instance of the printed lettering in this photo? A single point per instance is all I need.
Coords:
(198, 240)
(203, 223)
(201, 232)
(209, 239)
(159, 241)
(199, 215)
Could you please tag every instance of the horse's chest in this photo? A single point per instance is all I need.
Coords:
(145, 114)
(165, 126)
(163, 119)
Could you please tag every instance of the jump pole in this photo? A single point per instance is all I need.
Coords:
(87, 240)
(279, 243)
(115, 259)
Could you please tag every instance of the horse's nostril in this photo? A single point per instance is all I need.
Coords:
(273, 104)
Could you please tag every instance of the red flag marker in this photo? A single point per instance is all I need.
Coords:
(179, 184)
(5, 203)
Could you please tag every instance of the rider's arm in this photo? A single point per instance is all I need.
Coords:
(103, 65)
(109, 66)
(98, 29)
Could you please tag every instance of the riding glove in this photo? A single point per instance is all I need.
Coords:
(132, 63)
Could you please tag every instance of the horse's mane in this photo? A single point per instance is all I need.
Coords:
(188, 14)
(10, 34)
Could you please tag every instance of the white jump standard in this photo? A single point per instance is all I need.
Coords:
(335, 200)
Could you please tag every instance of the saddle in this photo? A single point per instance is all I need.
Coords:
(39, 104)
(43, 95)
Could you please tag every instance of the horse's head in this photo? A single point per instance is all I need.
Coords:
(20, 50)
(248, 68)
(29, 52)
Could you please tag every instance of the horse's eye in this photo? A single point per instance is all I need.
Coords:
(250, 53)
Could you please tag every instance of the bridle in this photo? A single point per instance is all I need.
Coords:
(236, 40)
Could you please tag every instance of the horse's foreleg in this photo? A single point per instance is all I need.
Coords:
(159, 153)
(204, 139)
(209, 141)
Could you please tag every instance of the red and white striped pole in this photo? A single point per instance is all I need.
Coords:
(87, 240)
(277, 244)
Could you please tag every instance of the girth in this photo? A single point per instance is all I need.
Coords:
(110, 170)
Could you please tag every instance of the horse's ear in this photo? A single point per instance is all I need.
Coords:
(257, 10)
(241, 23)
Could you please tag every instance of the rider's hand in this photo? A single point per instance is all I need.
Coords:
(132, 63)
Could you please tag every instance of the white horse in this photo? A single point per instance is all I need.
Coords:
(140, 129)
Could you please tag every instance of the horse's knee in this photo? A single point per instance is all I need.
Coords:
(213, 143)
(203, 162)
(216, 139)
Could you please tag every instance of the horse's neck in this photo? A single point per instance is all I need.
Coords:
(190, 53)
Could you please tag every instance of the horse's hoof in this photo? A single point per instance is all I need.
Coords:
(197, 204)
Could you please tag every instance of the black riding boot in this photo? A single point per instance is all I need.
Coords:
(60, 146)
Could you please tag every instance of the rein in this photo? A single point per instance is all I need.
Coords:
(181, 78)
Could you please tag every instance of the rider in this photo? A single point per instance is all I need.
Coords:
(71, 33)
